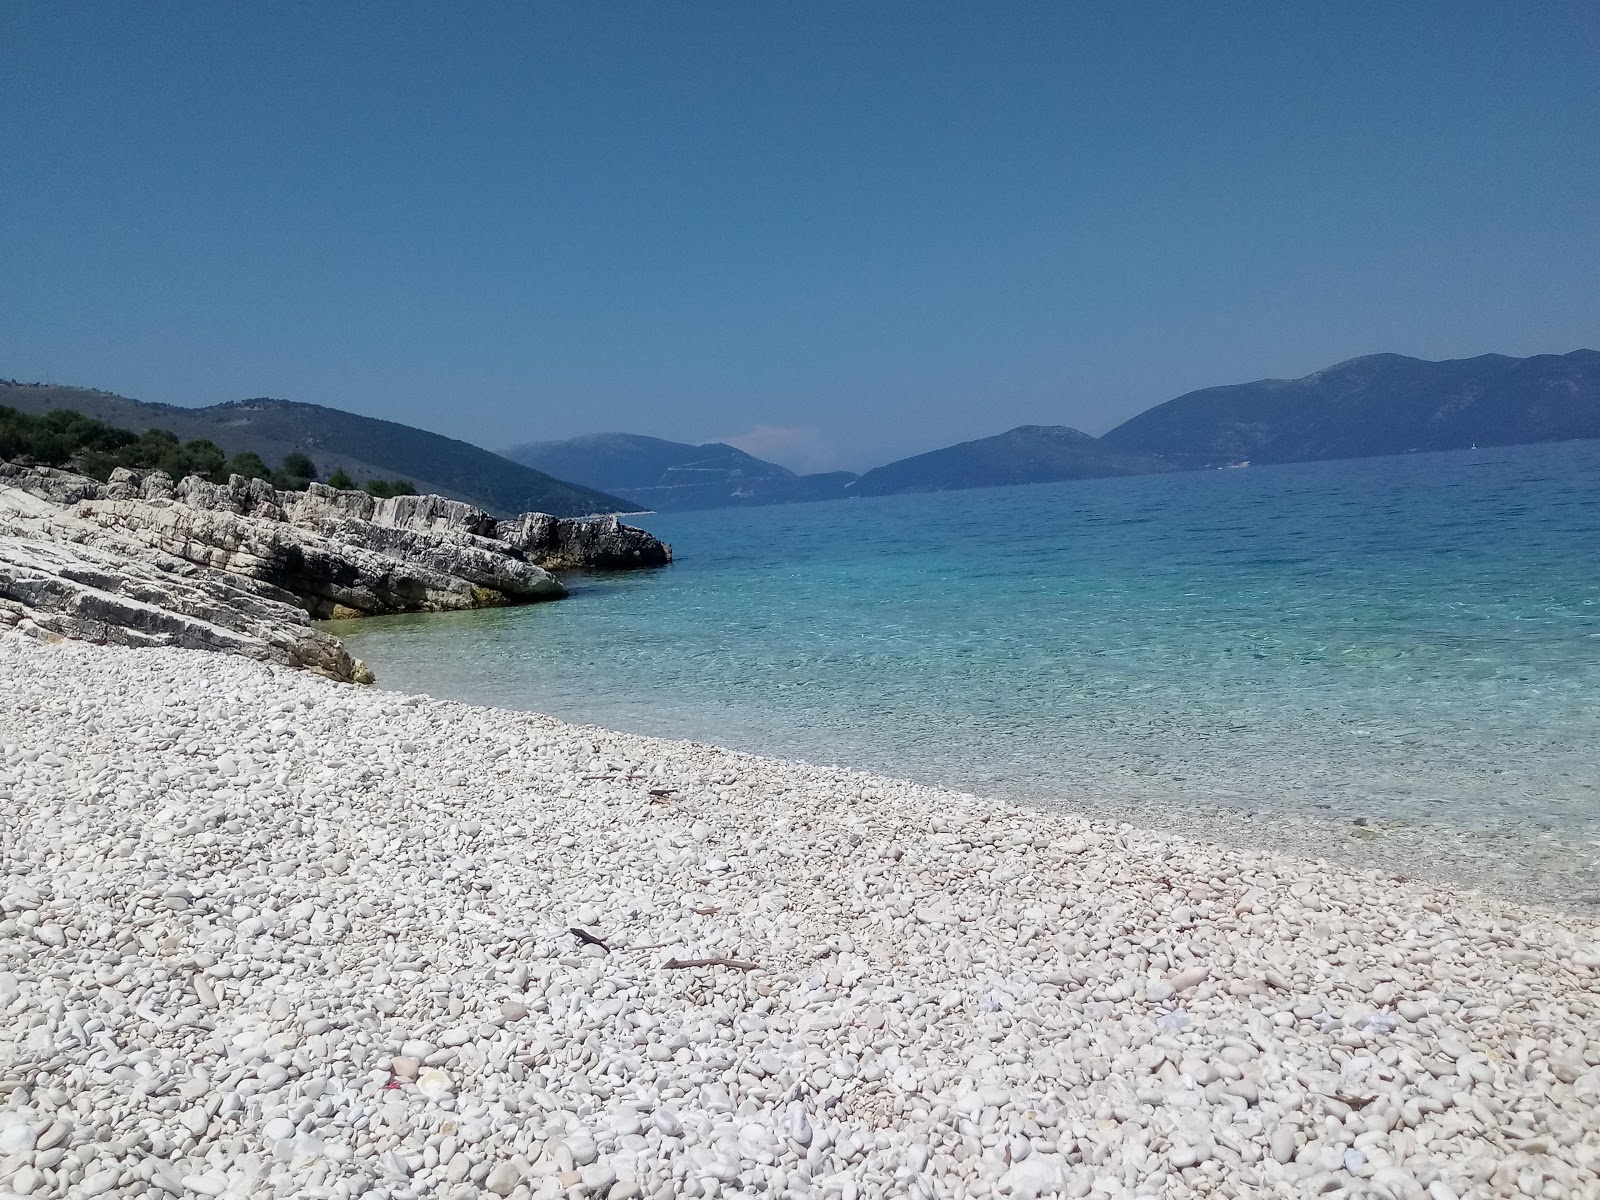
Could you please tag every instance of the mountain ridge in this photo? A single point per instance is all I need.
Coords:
(1023, 454)
(1372, 405)
(1375, 405)
(365, 447)
(673, 476)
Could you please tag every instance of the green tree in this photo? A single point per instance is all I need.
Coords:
(383, 489)
(299, 465)
(297, 471)
(64, 438)
(57, 438)
(249, 464)
(341, 479)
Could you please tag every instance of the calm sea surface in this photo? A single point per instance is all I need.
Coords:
(1413, 639)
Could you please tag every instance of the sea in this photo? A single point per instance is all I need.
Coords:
(1389, 644)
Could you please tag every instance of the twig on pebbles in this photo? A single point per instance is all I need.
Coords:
(678, 964)
(583, 935)
(1355, 1102)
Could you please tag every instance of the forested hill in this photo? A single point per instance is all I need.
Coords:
(1378, 405)
(667, 476)
(364, 447)
(1026, 454)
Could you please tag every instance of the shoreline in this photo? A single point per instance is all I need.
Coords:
(326, 932)
(1555, 874)
(1547, 868)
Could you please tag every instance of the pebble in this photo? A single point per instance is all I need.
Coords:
(434, 1084)
(263, 934)
(17, 1138)
(100, 1182)
(403, 1067)
(1282, 1144)
(667, 1123)
(502, 1179)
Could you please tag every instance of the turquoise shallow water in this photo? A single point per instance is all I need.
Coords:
(1416, 639)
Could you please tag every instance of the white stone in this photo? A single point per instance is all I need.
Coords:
(1037, 1175)
(435, 1084)
(422, 1022)
(17, 1138)
(502, 1179)
(99, 1183)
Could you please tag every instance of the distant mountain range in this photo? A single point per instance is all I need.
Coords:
(1026, 454)
(365, 447)
(1378, 405)
(661, 475)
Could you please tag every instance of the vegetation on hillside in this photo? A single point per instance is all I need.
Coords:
(384, 488)
(365, 446)
(381, 488)
(63, 438)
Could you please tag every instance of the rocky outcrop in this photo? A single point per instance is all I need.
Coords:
(62, 578)
(335, 567)
(599, 544)
(243, 568)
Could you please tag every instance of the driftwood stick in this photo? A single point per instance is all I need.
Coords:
(678, 964)
(583, 935)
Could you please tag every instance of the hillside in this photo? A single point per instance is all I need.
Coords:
(1378, 405)
(673, 476)
(1381, 404)
(365, 447)
(1026, 454)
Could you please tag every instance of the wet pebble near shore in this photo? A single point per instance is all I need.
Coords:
(262, 934)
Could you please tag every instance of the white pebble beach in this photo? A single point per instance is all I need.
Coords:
(267, 935)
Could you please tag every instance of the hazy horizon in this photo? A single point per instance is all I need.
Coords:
(834, 237)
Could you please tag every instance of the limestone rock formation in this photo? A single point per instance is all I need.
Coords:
(598, 544)
(243, 568)
(60, 576)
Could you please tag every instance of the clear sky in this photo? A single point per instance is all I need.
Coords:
(840, 233)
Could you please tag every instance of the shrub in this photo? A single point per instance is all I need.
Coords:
(249, 464)
(55, 437)
(64, 438)
(299, 465)
(383, 489)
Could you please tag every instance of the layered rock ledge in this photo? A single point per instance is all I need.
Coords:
(244, 568)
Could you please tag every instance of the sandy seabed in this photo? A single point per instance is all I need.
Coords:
(262, 934)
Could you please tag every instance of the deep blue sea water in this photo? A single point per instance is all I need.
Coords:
(1415, 638)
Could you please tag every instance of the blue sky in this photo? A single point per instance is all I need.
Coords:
(840, 232)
